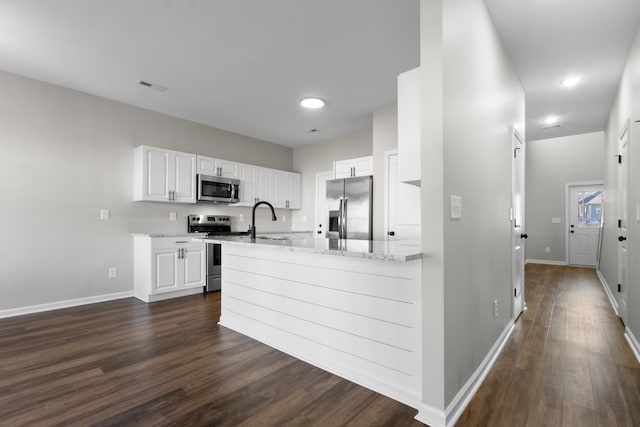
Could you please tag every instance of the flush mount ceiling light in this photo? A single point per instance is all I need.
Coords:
(571, 81)
(312, 103)
(151, 85)
(551, 120)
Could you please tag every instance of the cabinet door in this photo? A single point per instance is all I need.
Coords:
(261, 183)
(207, 166)
(227, 169)
(279, 189)
(342, 169)
(363, 166)
(165, 276)
(184, 178)
(155, 174)
(193, 274)
(294, 197)
(409, 168)
(245, 175)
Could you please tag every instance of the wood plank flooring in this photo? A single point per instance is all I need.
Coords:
(126, 363)
(566, 363)
(169, 364)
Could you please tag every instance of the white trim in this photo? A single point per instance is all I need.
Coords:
(327, 175)
(544, 261)
(387, 154)
(607, 290)
(633, 343)
(19, 311)
(466, 393)
(431, 416)
(170, 295)
(567, 201)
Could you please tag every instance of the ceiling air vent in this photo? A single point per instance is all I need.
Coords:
(152, 85)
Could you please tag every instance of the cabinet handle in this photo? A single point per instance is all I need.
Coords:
(181, 241)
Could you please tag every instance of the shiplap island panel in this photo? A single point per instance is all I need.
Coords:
(353, 315)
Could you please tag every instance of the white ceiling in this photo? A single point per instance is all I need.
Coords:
(243, 65)
(548, 40)
(239, 65)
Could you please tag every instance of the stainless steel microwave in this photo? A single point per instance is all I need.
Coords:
(218, 189)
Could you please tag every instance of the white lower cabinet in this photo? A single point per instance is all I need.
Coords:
(167, 267)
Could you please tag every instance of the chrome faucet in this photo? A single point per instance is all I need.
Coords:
(253, 217)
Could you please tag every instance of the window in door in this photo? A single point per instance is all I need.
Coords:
(589, 208)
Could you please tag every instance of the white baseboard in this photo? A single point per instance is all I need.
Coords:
(633, 343)
(466, 393)
(431, 416)
(544, 261)
(19, 311)
(607, 290)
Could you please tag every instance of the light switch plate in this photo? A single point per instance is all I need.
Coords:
(241, 218)
(104, 214)
(113, 272)
(284, 218)
(172, 216)
(456, 207)
(556, 220)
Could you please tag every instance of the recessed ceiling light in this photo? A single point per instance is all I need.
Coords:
(551, 120)
(312, 103)
(571, 81)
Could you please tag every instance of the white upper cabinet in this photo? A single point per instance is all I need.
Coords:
(217, 167)
(409, 139)
(285, 189)
(360, 166)
(245, 175)
(261, 184)
(164, 176)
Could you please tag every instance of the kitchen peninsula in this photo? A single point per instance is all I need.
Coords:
(351, 307)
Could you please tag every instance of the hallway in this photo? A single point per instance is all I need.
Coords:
(566, 363)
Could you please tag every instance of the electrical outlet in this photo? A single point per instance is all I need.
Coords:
(304, 218)
(104, 214)
(284, 218)
(241, 219)
(547, 249)
(495, 308)
(173, 216)
(113, 272)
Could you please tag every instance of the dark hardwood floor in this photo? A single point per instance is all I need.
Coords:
(566, 363)
(169, 363)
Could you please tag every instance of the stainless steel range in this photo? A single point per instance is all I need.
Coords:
(213, 225)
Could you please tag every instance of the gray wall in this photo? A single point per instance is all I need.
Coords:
(551, 164)
(311, 159)
(66, 155)
(471, 96)
(625, 107)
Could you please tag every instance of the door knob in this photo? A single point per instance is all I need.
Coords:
(392, 233)
(621, 238)
(524, 236)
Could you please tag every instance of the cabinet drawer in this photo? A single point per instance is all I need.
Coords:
(174, 242)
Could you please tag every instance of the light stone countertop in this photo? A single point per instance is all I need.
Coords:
(167, 234)
(368, 249)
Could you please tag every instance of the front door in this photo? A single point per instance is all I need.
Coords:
(623, 254)
(517, 218)
(585, 214)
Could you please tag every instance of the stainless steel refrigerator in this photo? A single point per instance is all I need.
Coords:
(350, 207)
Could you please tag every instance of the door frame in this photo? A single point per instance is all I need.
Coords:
(319, 217)
(623, 288)
(515, 135)
(387, 155)
(567, 211)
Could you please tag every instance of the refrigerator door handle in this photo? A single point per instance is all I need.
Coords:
(340, 219)
(344, 218)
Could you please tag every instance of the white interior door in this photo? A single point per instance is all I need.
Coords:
(585, 213)
(321, 198)
(517, 217)
(623, 254)
(402, 203)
